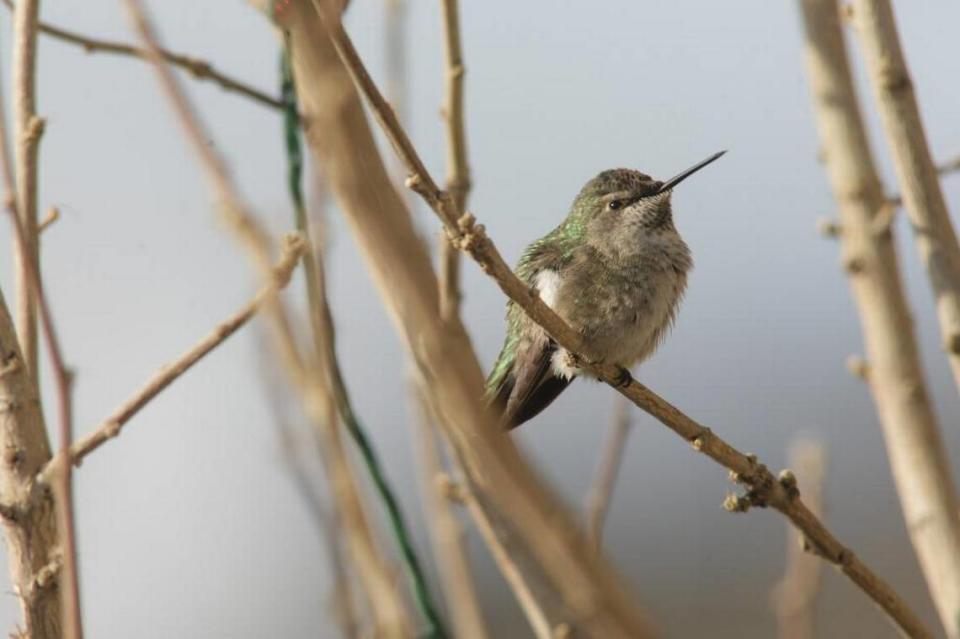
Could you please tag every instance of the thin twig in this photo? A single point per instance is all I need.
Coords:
(446, 531)
(794, 598)
(763, 489)
(113, 425)
(27, 130)
(605, 476)
(200, 69)
(458, 169)
(511, 572)
(31, 296)
(925, 205)
(31, 529)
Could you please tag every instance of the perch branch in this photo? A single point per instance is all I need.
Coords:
(605, 477)
(919, 182)
(112, 425)
(458, 169)
(763, 488)
(794, 598)
(894, 373)
(200, 69)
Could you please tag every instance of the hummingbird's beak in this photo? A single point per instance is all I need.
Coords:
(680, 177)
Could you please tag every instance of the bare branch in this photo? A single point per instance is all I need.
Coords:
(22, 206)
(920, 468)
(763, 487)
(605, 476)
(30, 527)
(794, 598)
(199, 69)
(27, 130)
(511, 572)
(934, 234)
(458, 170)
(111, 426)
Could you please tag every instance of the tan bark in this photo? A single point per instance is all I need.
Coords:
(458, 170)
(27, 129)
(914, 447)
(341, 142)
(27, 510)
(916, 172)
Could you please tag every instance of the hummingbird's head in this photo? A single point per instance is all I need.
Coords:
(620, 204)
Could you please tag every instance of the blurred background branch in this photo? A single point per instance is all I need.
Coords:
(914, 446)
(794, 598)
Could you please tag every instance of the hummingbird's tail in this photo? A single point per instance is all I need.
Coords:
(522, 383)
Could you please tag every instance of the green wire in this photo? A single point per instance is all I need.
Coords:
(398, 524)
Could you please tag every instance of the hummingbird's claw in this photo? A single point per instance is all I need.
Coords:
(623, 378)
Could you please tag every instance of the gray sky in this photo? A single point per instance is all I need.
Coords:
(188, 523)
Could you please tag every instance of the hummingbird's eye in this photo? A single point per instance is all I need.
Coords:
(613, 205)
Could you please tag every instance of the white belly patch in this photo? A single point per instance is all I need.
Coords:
(548, 284)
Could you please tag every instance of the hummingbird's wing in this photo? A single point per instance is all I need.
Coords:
(534, 385)
(522, 382)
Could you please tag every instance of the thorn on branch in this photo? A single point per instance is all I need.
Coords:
(9, 364)
(829, 228)
(10, 514)
(883, 220)
(789, 482)
(52, 216)
(44, 578)
(413, 182)
(858, 367)
(13, 457)
(451, 489)
(854, 265)
(736, 503)
(197, 68)
(700, 441)
(8, 406)
(35, 129)
(953, 343)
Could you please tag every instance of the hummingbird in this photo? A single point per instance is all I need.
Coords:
(615, 270)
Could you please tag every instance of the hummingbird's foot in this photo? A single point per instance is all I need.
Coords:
(623, 378)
